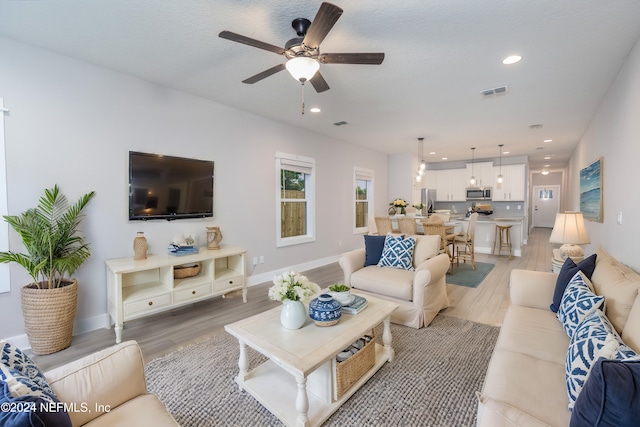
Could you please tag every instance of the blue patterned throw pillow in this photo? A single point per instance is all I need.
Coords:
(24, 387)
(398, 252)
(577, 302)
(593, 338)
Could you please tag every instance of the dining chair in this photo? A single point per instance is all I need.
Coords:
(407, 225)
(435, 226)
(383, 224)
(464, 242)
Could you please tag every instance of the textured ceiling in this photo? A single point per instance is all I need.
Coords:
(440, 55)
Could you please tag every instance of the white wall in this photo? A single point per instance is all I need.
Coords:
(73, 124)
(614, 134)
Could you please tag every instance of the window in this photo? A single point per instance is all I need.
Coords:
(4, 227)
(295, 199)
(363, 199)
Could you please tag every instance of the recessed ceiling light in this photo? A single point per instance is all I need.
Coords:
(445, 158)
(511, 59)
(548, 140)
(547, 166)
(315, 110)
(432, 153)
(547, 157)
(544, 172)
(506, 152)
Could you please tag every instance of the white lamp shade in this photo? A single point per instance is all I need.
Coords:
(302, 67)
(569, 228)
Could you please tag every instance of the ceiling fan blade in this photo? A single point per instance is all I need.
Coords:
(325, 19)
(319, 83)
(351, 58)
(266, 73)
(250, 42)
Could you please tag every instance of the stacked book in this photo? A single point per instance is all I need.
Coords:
(178, 250)
(357, 305)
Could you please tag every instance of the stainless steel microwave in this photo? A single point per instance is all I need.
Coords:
(479, 193)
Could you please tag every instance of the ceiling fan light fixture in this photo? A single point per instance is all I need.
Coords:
(302, 68)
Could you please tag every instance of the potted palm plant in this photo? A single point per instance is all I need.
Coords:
(53, 252)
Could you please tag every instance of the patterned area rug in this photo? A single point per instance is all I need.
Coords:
(431, 382)
(464, 275)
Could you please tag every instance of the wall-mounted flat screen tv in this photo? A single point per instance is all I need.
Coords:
(166, 187)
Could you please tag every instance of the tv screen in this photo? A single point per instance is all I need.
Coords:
(165, 187)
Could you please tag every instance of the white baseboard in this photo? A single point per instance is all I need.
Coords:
(80, 326)
(257, 279)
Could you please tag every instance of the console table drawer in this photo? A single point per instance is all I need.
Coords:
(193, 293)
(232, 282)
(148, 304)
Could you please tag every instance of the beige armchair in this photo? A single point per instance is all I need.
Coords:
(111, 385)
(420, 294)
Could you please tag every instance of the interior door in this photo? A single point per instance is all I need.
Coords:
(546, 203)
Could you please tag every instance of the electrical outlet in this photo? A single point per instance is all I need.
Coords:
(261, 259)
(255, 260)
(519, 207)
(620, 218)
(508, 207)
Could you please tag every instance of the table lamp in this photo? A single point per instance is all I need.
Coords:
(569, 231)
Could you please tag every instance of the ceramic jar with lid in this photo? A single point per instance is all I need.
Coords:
(324, 310)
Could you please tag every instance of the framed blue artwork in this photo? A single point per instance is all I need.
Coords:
(591, 191)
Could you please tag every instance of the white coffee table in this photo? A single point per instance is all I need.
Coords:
(297, 383)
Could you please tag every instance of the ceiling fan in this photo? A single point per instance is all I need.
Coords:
(303, 52)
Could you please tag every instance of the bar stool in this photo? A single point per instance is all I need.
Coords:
(503, 232)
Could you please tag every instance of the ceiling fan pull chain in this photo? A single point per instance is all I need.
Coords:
(302, 97)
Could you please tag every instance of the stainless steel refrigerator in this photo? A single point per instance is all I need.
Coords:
(428, 199)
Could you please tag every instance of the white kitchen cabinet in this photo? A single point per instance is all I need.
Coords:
(513, 185)
(483, 171)
(145, 287)
(449, 184)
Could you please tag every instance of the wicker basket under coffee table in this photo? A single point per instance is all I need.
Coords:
(302, 362)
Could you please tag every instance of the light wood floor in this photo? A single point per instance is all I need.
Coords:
(169, 331)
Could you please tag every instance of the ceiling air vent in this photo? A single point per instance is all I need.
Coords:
(500, 90)
(340, 123)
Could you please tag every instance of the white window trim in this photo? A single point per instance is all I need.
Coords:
(362, 173)
(292, 162)
(5, 278)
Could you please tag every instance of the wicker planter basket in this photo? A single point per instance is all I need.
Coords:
(48, 316)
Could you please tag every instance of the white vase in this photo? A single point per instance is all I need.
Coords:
(293, 314)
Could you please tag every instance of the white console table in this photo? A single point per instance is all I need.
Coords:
(145, 287)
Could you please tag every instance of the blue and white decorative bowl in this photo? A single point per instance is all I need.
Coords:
(324, 310)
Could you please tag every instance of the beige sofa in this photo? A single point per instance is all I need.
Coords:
(525, 382)
(108, 388)
(421, 294)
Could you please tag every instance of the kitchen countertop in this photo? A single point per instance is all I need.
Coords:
(491, 219)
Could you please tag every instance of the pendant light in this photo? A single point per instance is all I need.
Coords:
(423, 164)
(500, 177)
(472, 181)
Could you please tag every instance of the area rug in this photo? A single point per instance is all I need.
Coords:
(464, 275)
(431, 382)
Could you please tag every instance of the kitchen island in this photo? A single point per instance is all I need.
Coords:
(486, 233)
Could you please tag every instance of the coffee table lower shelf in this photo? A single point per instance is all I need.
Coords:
(277, 390)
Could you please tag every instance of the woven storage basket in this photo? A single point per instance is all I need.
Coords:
(180, 272)
(48, 316)
(350, 371)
